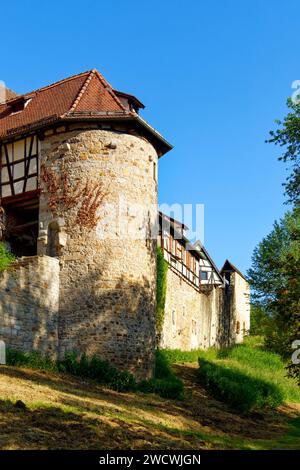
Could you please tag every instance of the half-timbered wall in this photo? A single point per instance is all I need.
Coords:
(193, 266)
(19, 166)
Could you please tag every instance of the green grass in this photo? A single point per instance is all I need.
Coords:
(176, 356)
(164, 383)
(238, 388)
(6, 258)
(252, 359)
(246, 376)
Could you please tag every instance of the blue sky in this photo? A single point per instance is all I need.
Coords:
(213, 75)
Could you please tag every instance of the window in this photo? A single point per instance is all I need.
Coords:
(173, 245)
(167, 242)
(204, 275)
(188, 259)
(179, 250)
(154, 171)
(173, 317)
(194, 327)
(238, 327)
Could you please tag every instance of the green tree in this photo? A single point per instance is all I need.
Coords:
(260, 321)
(275, 280)
(288, 136)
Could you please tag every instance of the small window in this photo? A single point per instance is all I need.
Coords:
(173, 317)
(204, 275)
(154, 171)
(173, 246)
(238, 327)
(194, 327)
(179, 251)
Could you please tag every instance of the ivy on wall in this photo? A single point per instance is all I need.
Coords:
(6, 258)
(86, 198)
(161, 289)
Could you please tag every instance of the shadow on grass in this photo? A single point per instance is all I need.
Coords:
(114, 420)
(44, 428)
(237, 389)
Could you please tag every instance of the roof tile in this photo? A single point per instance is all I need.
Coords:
(86, 92)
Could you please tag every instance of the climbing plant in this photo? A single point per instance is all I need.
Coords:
(6, 258)
(161, 289)
(86, 197)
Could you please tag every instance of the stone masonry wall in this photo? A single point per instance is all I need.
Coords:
(107, 277)
(191, 318)
(240, 306)
(29, 293)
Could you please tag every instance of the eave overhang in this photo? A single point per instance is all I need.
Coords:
(141, 126)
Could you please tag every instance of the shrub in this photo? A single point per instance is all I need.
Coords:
(254, 359)
(166, 388)
(164, 383)
(98, 370)
(6, 258)
(241, 391)
(31, 359)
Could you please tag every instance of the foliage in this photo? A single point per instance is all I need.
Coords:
(31, 359)
(164, 383)
(240, 390)
(96, 369)
(260, 321)
(161, 289)
(275, 279)
(248, 376)
(288, 136)
(6, 258)
(175, 356)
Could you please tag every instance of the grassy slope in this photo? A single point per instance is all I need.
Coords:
(251, 360)
(66, 412)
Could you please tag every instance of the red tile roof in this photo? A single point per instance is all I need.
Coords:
(86, 92)
(84, 96)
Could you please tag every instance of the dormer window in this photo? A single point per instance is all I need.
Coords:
(19, 104)
(130, 102)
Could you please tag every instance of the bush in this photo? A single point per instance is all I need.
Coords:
(166, 388)
(98, 370)
(241, 391)
(31, 359)
(254, 359)
(6, 258)
(94, 368)
(164, 383)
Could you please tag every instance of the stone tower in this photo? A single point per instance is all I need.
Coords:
(95, 201)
